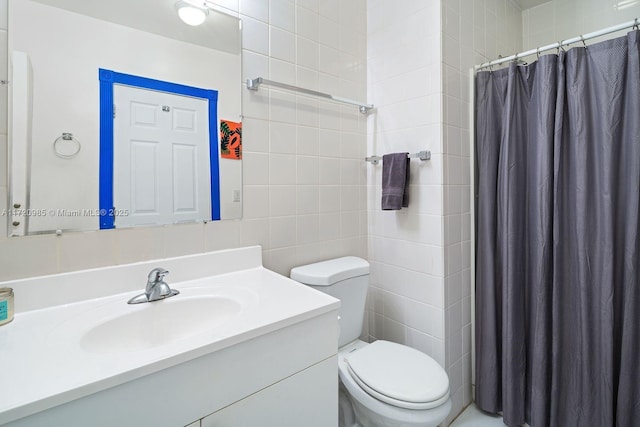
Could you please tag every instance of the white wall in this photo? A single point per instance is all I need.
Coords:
(419, 57)
(311, 152)
(406, 247)
(563, 19)
(304, 174)
(66, 97)
(471, 35)
(3, 118)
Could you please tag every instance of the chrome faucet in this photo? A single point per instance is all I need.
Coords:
(156, 288)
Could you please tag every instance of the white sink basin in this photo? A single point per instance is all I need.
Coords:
(111, 326)
(157, 323)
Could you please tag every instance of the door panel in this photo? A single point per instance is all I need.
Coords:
(161, 157)
(143, 115)
(185, 179)
(144, 172)
(184, 120)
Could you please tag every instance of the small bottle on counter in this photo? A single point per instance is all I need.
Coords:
(6, 305)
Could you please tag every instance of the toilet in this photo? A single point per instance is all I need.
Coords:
(382, 384)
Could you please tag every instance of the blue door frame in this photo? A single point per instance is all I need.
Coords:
(107, 79)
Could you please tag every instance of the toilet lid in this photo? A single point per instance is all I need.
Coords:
(399, 375)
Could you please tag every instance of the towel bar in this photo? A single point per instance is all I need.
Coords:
(422, 155)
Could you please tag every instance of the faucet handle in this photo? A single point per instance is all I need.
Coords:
(156, 288)
(157, 274)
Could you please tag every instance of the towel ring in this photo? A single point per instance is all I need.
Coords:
(66, 137)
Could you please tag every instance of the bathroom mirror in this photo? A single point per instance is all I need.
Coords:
(68, 148)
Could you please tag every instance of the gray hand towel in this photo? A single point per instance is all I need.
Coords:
(395, 181)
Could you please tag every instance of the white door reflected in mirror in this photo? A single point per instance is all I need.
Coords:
(161, 162)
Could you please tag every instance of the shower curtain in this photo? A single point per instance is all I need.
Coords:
(558, 274)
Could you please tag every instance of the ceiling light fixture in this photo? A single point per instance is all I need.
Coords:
(192, 12)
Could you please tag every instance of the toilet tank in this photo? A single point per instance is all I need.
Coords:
(345, 278)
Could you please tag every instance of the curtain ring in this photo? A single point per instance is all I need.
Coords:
(538, 52)
(583, 42)
(560, 47)
(636, 25)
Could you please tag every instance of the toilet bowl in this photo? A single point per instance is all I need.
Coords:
(373, 411)
(382, 384)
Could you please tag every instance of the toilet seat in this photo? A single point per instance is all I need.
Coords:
(398, 375)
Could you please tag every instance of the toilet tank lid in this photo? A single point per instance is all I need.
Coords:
(327, 273)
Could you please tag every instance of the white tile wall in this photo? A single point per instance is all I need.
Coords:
(282, 14)
(255, 36)
(471, 35)
(406, 303)
(304, 182)
(562, 19)
(257, 9)
(3, 120)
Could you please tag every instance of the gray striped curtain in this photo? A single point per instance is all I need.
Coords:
(558, 249)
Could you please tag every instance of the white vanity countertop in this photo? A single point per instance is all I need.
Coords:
(44, 365)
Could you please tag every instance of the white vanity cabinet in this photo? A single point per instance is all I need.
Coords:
(272, 365)
(279, 379)
(300, 400)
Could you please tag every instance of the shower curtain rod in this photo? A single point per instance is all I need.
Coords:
(582, 38)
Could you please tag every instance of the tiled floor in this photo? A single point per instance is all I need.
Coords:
(474, 417)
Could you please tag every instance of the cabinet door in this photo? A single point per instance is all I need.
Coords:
(308, 398)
